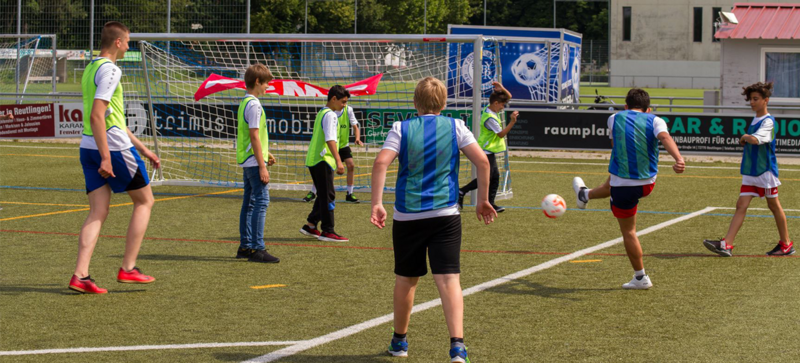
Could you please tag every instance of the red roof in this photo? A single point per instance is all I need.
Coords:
(763, 21)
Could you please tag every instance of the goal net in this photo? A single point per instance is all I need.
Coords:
(196, 139)
(26, 64)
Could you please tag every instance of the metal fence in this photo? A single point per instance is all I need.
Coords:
(594, 61)
(77, 23)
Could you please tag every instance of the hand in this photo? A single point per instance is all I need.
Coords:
(497, 86)
(106, 169)
(339, 168)
(359, 143)
(378, 217)
(8, 116)
(263, 174)
(679, 166)
(485, 212)
(154, 159)
(271, 160)
(742, 140)
(514, 116)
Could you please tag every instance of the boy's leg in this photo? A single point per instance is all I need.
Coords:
(260, 202)
(602, 191)
(404, 290)
(351, 174)
(584, 194)
(246, 211)
(99, 201)
(142, 206)
(780, 218)
(317, 177)
(738, 218)
(632, 247)
(494, 178)
(327, 197)
(624, 205)
(449, 286)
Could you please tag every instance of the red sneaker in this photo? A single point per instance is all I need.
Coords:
(332, 237)
(134, 276)
(85, 286)
(309, 231)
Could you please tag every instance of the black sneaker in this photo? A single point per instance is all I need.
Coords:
(263, 256)
(782, 249)
(716, 247)
(309, 197)
(244, 253)
(351, 199)
(498, 209)
(460, 200)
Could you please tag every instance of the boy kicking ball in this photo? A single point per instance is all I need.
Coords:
(635, 134)
(759, 175)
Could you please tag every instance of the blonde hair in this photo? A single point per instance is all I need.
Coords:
(430, 96)
(255, 72)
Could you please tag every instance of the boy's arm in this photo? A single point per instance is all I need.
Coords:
(154, 159)
(511, 123)
(672, 149)
(499, 87)
(335, 151)
(379, 167)
(255, 143)
(358, 135)
(483, 208)
(97, 120)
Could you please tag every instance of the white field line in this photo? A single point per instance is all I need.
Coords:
(606, 164)
(311, 343)
(145, 347)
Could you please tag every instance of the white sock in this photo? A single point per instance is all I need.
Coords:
(586, 194)
(639, 273)
(722, 244)
(314, 189)
(350, 189)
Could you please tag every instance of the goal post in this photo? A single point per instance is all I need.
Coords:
(27, 64)
(196, 139)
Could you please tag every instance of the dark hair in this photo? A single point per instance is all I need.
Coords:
(255, 72)
(638, 98)
(112, 31)
(339, 92)
(765, 89)
(498, 96)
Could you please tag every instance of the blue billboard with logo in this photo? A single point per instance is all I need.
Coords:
(534, 63)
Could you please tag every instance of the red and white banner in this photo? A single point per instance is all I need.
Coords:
(35, 120)
(285, 87)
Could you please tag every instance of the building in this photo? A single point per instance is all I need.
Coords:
(666, 43)
(764, 45)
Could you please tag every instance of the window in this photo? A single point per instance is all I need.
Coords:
(698, 24)
(782, 67)
(714, 19)
(626, 23)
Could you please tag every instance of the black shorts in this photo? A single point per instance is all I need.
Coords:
(345, 153)
(624, 200)
(440, 237)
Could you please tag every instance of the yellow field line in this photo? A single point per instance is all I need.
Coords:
(49, 204)
(118, 205)
(583, 261)
(660, 175)
(267, 286)
(49, 156)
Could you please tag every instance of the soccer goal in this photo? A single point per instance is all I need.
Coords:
(195, 137)
(27, 64)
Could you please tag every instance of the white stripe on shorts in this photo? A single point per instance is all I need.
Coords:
(130, 162)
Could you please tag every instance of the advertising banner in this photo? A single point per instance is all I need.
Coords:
(30, 120)
(588, 130)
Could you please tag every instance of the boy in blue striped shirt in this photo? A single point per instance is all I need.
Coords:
(634, 134)
(426, 216)
(759, 174)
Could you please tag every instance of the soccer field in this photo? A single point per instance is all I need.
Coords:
(536, 289)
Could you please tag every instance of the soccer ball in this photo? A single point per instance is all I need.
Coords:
(528, 70)
(553, 206)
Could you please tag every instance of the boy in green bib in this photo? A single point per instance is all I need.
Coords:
(322, 159)
(252, 154)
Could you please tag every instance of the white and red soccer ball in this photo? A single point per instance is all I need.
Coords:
(553, 206)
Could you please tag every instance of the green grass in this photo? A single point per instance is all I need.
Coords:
(702, 308)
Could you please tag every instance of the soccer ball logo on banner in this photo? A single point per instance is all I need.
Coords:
(487, 74)
(529, 69)
(137, 117)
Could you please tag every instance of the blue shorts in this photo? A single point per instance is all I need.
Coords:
(129, 170)
(624, 200)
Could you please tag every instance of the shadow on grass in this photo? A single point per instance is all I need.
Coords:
(225, 258)
(57, 289)
(365, 358)
(522, 287)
